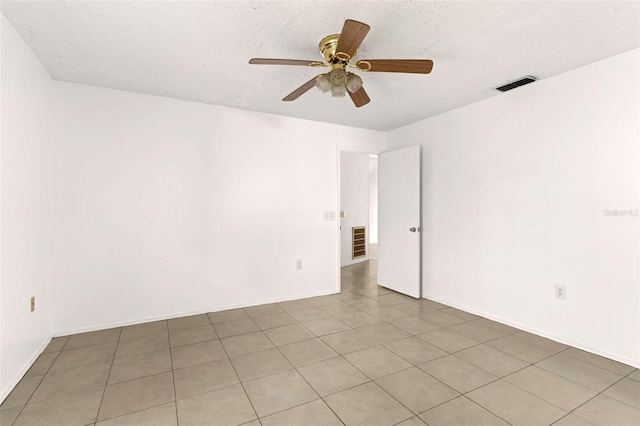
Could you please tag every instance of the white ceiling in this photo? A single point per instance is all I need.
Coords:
(199, 51)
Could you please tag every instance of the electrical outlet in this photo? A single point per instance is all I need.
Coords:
(298, 265)
(561, 292)
(33, 303)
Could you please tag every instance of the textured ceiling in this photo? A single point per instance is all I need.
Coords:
(198, 51)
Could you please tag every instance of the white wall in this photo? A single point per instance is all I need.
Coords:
(514, 194)
(354, 202)
(171, 207)
(25, 227)
(373, 200)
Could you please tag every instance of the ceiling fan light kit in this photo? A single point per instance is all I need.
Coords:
(338, 50)
(338, 81)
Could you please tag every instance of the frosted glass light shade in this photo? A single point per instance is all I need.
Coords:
(338, 77)
(338, 91)
(323, 83)
(354, 83)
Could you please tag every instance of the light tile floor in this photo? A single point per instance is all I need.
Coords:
(367, 356)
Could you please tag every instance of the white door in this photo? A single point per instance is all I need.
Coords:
(399, 220)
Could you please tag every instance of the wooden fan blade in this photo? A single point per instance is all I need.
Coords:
(300, 90)
(416, 66)
(359, 98)
(353, 32)
(267, 61)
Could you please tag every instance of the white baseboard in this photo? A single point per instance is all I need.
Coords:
(177, 315)
(12, 384)
(616, 357)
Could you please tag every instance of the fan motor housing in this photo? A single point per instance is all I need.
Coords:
(328, 46)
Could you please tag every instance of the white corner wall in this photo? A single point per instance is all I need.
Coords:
(354, 201)
(119, 208)
(25, 225)
(515, 190)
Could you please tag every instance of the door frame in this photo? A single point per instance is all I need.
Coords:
(339, 152)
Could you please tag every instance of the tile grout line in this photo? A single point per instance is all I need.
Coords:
(237, 375)
(594, 365)
(104, 391)
(39, 383)
(573, 381)
(463, 395)
(305, 379)
(135, 411)
(592, 398)
(78, 366)
(380, 387)
(137, 378)
(173, 378)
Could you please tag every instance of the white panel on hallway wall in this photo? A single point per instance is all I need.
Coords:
(515, 190)
(373, 199)
(354, 201)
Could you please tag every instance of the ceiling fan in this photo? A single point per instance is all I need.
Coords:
(338, 51)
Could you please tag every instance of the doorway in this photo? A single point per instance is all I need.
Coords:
(396, 219)
(358, 220)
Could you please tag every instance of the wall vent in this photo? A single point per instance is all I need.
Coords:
(358, 240)
(524, 80)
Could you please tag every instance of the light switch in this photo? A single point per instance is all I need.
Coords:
(329, 215)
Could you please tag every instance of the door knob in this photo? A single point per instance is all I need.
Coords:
(413, 229)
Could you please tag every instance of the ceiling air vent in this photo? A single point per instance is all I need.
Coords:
(524, 80)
